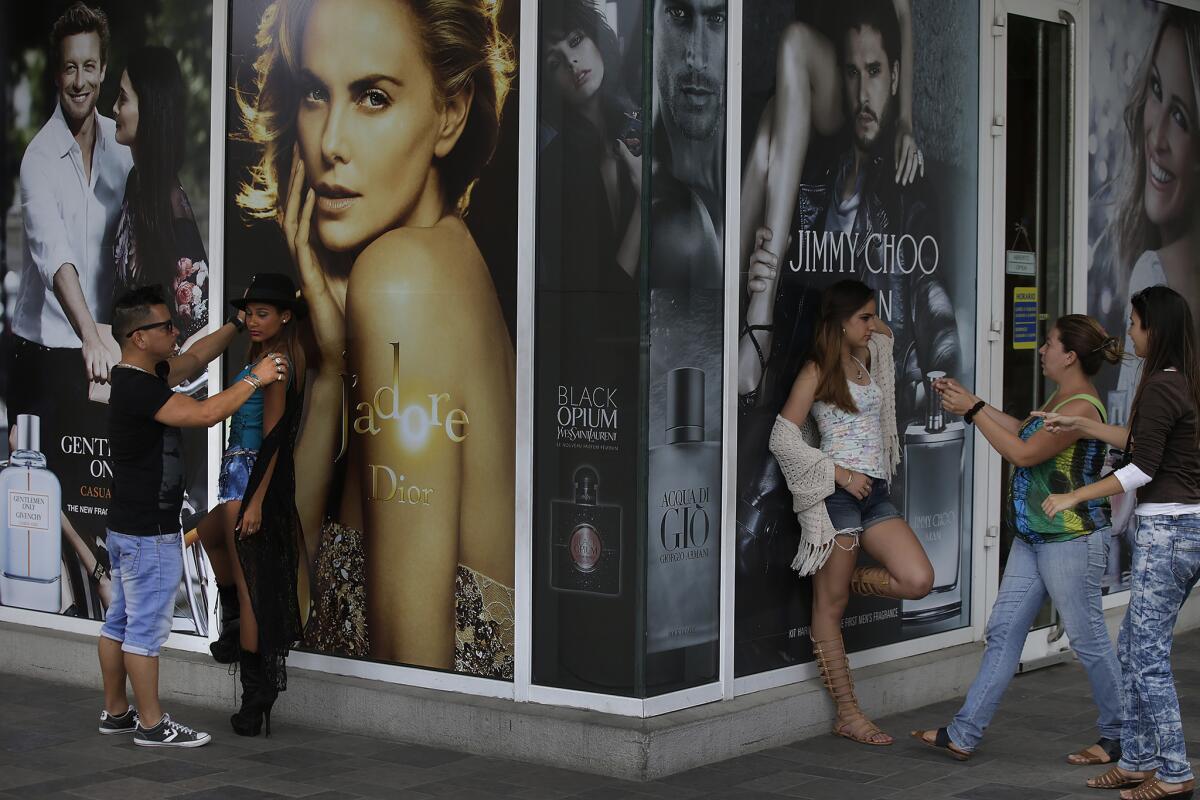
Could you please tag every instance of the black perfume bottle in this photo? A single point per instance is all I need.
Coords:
(586, 548)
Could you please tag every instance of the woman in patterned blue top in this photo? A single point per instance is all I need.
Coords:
(1061, 556)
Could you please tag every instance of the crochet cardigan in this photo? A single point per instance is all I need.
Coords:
(809, 472)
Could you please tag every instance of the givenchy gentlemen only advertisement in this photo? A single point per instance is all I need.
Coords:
(834, 199)
(401, 172)
(78, 212)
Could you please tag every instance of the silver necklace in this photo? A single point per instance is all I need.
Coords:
(861, 371)
(135, 366)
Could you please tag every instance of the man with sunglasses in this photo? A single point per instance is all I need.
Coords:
(144, 536)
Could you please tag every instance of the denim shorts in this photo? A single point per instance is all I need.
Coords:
(851, 515)
(145, 573)
(236, 466)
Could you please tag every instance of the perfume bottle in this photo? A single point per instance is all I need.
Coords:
(933, 491)
(683, 531)
(586, 548)
(32, 527)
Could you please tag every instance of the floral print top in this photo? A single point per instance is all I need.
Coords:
(187, 280)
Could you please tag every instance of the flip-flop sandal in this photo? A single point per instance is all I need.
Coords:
(941, 741)
(1116, 778)
(1087, 758)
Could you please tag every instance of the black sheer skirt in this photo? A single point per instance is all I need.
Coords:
(270, 558)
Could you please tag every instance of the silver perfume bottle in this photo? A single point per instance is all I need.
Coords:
(683, 528)
(933, 494)
(32, 524)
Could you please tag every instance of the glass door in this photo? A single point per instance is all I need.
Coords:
(1036, 73)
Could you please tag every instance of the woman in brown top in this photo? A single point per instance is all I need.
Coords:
(1162, 461)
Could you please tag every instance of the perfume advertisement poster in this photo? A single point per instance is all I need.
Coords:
(859, 160)
(586, 401)
(80, 226)
(685, 386)
(1143, 193)
(405, 192)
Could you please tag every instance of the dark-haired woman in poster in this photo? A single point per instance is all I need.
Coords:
(594, 160)
(157, 238)
(374, 119)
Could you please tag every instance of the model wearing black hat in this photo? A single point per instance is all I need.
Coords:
(255, 517)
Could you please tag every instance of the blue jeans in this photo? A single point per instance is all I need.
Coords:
(1166, 562)
(146, 571)
(1070, 573)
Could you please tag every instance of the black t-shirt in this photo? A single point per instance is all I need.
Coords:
(147, 456)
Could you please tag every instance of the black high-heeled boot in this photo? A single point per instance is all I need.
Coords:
(257, 697)
(226, 648)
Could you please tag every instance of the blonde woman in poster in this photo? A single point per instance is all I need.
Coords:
(1158, 227)
(1154, 228)
(369, 153)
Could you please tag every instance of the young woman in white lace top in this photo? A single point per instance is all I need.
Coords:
(848, 387)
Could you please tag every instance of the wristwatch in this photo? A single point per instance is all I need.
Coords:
(236, 321)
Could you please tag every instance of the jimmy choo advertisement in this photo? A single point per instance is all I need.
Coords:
(856, 164)
(388, 191)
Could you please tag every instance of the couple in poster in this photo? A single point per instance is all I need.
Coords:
(102, 209)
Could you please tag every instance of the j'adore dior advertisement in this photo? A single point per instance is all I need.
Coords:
(384, 182)
(859, 160)
(105, 185)
(1143, 190)
(587, 400)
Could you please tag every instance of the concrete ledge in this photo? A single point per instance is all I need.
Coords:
(629, 748)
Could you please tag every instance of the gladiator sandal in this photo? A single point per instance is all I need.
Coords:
(872, 582)
(835, 674)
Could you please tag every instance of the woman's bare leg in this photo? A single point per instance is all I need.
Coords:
(831, 592)
(212, 536)
(807, 89)
(248, 630)
(894, 545)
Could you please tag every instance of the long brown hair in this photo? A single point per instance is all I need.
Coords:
(1087, 339)
(288, 342)
(1136, 234)
(1171, 335)
(838, 304)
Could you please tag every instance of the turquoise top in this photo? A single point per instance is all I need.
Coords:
(246, 425)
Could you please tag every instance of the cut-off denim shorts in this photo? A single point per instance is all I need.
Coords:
(234, 477)
(851, 515)
(145, 573)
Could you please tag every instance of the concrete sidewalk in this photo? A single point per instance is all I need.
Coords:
(49, 748)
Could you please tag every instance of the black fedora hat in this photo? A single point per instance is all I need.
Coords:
(274, 288)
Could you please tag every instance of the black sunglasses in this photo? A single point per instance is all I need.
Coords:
(168, 324)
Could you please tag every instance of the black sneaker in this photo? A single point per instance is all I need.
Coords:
(169, 733)
(118, 723)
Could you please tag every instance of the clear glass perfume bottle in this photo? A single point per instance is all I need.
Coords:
(587, 540)
(683, 532)
(933, 484)
(32, 527)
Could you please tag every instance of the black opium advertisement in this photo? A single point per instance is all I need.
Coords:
(685, 379)
(386, 133)
(97, 197)
(1143, 192)
(586, 402)
(859, 161)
